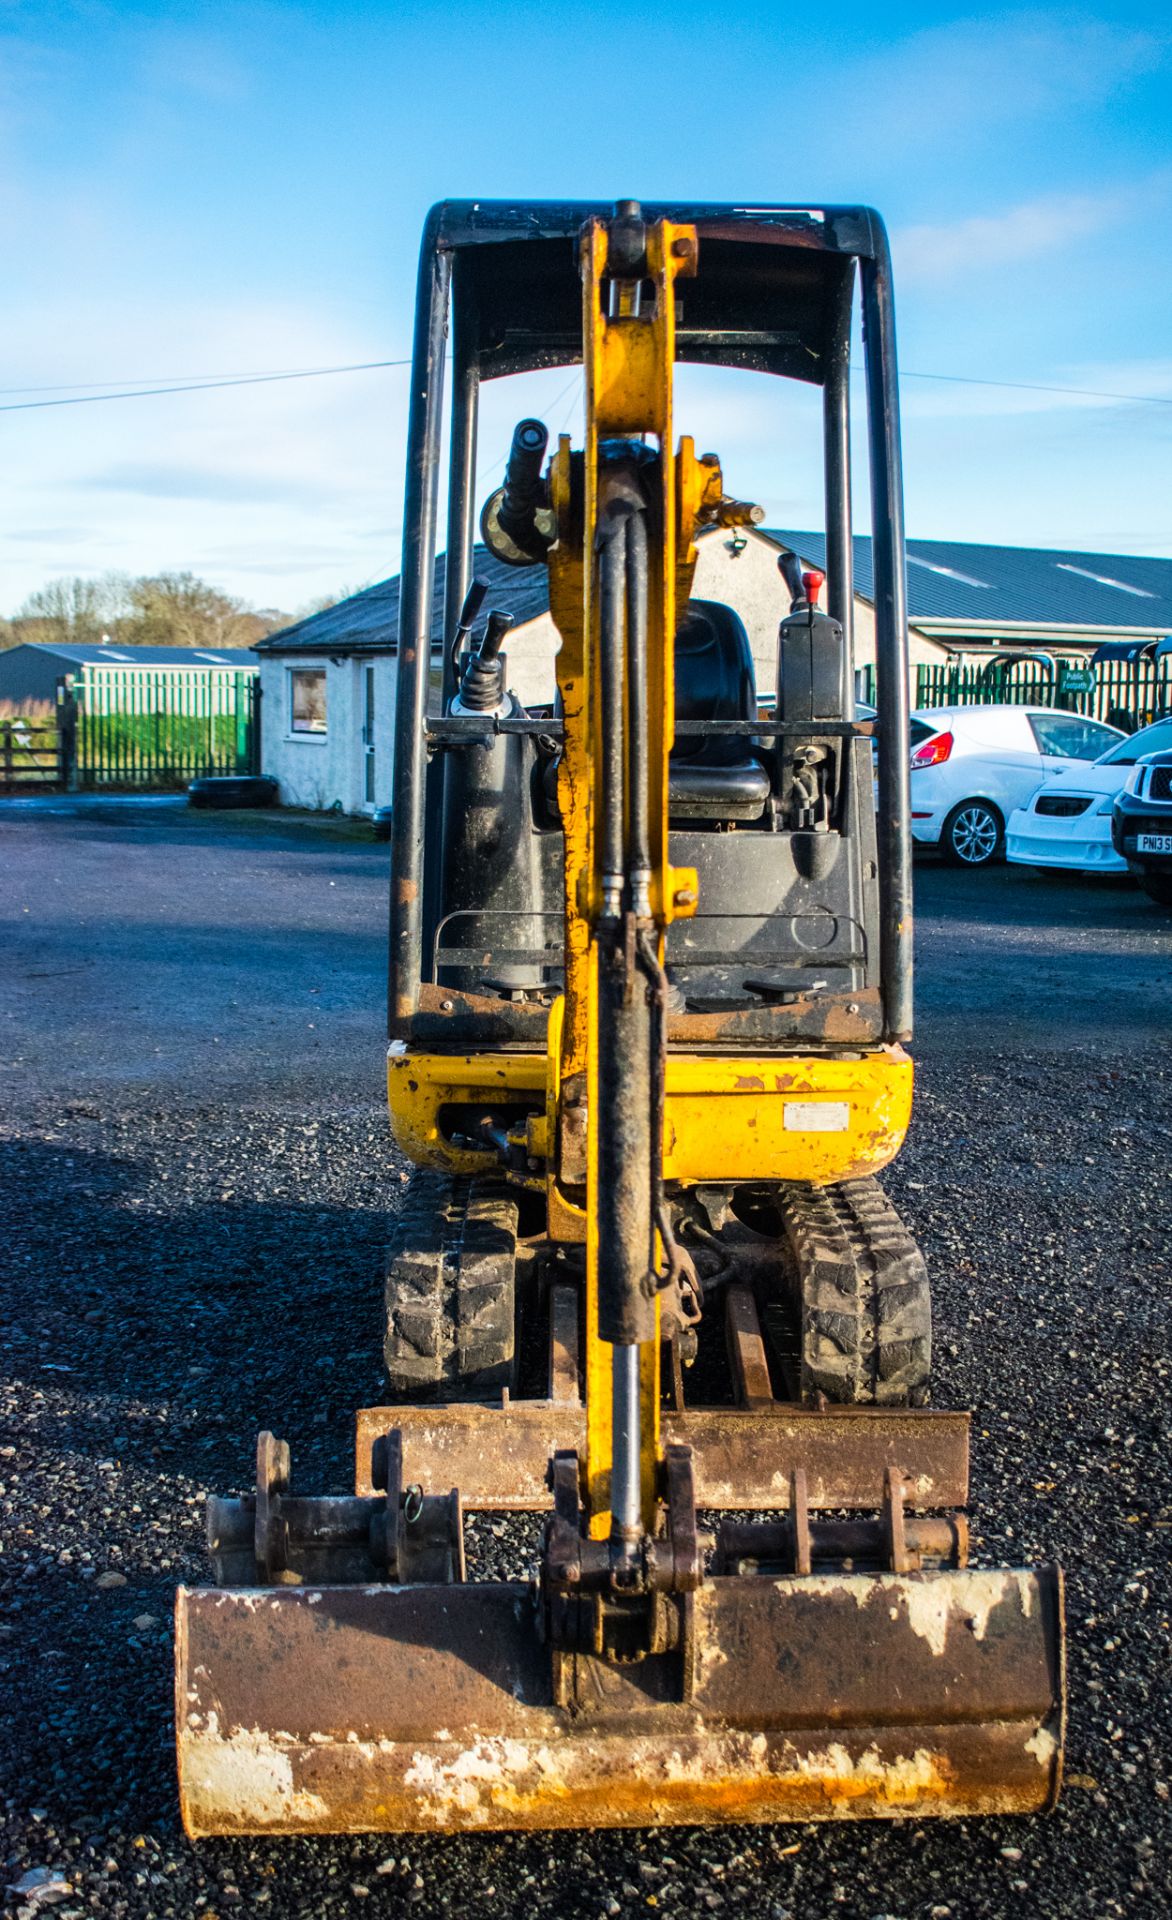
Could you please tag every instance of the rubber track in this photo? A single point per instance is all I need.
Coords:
(451, 1275)
(866, 1315)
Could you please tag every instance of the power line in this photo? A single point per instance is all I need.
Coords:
(498, 461)
(193, 379)
(210, 384)
(1030, 386)
(199, 386)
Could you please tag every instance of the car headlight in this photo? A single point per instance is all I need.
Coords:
(1135, 779)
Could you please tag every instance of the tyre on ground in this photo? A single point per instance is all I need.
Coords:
(233, 790)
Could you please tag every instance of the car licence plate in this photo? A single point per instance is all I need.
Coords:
(1153, 843)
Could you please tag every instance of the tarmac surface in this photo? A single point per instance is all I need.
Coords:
(196, 1183)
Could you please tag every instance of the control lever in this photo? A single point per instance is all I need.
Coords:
(521, 493)
(494, 633)
(473, 601)
(482, 684)
(790, 569)
(803, 587)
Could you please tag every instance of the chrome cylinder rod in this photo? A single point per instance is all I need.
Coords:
(625, 1496)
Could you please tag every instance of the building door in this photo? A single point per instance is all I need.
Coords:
(368, 735)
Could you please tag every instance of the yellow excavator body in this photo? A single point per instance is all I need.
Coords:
(649, 1015)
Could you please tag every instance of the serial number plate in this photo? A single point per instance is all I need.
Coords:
(1153, 843)
(816, 1116)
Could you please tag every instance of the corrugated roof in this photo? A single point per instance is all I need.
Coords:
(368, 622)
(947, 580)
(1052, 586)
(116, 656)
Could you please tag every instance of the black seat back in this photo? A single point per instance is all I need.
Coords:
(714, 681)
(717, 778)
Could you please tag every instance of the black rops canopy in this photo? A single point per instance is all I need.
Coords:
(516, 266)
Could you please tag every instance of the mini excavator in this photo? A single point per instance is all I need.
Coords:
(650, 995)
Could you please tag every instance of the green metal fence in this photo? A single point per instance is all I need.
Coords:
(1125, 693)
(162, 727)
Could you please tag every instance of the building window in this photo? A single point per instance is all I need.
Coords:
(307, 700)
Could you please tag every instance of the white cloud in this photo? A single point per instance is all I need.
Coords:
(935, 88)
(241, 481)
(1058, 481)
(935, 252)
(930, 254)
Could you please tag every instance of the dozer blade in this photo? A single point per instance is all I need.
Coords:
(499, 1456)
(839, 1696)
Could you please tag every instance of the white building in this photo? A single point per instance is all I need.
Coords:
(328, 684)
(327, 722)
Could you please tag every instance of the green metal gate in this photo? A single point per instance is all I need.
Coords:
(1125, 693)
(164, 726)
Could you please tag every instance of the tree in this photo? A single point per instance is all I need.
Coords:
(179, 610)
(73, 609)
(155, 610)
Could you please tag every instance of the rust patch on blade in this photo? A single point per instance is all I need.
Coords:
(249, 1783)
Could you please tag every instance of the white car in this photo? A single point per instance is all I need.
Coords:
(1067, 822)
(974, 766)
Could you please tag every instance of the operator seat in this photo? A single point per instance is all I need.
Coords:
(716, 776)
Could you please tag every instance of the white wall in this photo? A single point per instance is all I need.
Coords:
(529, 661)
(327, 771)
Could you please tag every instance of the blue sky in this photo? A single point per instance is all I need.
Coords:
(199, 190)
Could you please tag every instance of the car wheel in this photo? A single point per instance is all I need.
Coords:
(1158, 887)
(972, 834)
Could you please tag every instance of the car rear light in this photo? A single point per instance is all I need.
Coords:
(1063, 806)
(933, 752)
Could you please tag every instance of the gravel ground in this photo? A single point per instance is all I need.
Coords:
(193, 1248)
